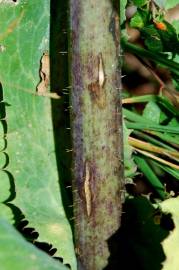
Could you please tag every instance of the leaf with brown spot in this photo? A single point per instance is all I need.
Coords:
(42, 88)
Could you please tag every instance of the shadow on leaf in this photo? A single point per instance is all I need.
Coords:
(60, 108)
(137, 244)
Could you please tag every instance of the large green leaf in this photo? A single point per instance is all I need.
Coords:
(24, 37)
(5, 187)
(18, 254)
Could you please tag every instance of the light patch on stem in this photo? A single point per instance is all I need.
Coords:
(96, 88)
(87, 189)
(101, 75)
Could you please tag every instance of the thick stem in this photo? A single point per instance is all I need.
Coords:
(96, 129)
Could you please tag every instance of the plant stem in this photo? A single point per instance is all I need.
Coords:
(96, 129)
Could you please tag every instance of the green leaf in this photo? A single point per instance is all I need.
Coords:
(139, 122)
(156, 57)
(169, 38)
(173, 123)
(160, 3)
(18, 254)
(24, 35)
(152, 38)
(167, 137)
(175, 24)
(139, 19)
(123, 4)
(140, 3)
(152, 140)
(6, 213)
(152, 112)
(4, 186)
(170, 4)
(150, 175)
(129, 164)
(169, 170)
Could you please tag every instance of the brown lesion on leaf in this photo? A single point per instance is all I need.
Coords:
(44, 72)
(96, 88)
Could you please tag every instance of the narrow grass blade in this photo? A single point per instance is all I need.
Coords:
(152, 178)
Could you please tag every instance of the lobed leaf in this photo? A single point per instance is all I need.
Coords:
(16, 253)
(24, 36)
